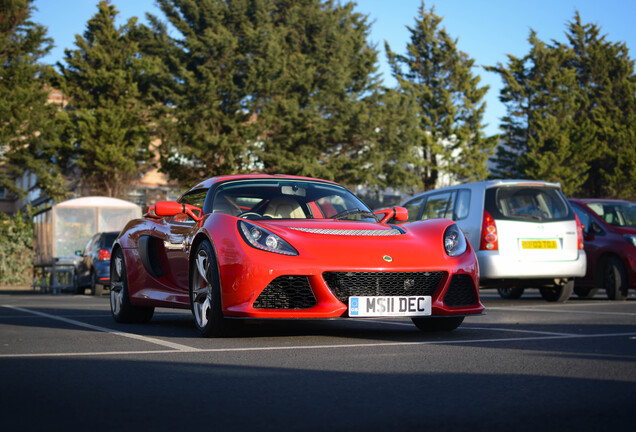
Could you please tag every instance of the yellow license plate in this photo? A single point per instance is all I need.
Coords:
(538, 244)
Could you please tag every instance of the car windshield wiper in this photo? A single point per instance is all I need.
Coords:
(350, 212)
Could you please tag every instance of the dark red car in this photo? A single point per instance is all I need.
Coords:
(610, 245)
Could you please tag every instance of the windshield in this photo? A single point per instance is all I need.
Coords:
(615, 213)
(288, 199)
(525, 203)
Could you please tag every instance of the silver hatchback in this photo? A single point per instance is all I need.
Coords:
(524, 232)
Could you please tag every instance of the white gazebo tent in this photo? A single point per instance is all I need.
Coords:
(68, 226)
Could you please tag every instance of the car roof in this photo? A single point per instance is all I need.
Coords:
(207, 183)
(487, 184)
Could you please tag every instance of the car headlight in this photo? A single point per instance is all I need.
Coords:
(631, 239)
(262, 239)
(454, 241)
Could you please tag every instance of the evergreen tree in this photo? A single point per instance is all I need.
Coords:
(208, 127)
(109, 123)
(571, 114)
(316, 101)
(28, 129)
(542, 139)
(449, 102)
(282, 87)
(606, 78)
(397, 161)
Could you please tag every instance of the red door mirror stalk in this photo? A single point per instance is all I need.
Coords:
(173, 208)
(399, 214)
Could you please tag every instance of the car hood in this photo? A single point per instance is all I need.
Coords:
(414, 246)
(329, 227)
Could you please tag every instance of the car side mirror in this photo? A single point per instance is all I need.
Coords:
(398, 214)
(595, 228)
(78, 253)
(173, 208)
(401, 214)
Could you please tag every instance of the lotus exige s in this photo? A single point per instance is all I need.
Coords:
(261, 246)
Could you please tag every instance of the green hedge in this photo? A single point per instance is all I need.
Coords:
(16, 249)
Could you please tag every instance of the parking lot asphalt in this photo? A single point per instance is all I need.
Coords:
(525, 365)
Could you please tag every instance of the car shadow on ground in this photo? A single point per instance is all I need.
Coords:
(303, 394)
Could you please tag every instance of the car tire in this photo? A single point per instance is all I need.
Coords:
(511, 293)
(78, 289)
(120, 307)
(437, 323)
(205, 294)
(93, 282)
(585, 292)
(615, 279)
(560, 292)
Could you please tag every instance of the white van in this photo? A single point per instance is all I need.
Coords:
(524, 232)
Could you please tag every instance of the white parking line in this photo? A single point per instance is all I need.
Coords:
(631, 335)
(172, 345)
(178, 348)
(465, 327)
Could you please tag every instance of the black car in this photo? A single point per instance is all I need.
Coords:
(93, 269)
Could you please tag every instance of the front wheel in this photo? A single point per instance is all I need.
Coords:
(205, 294)
(120, 307)
(437, 323)
(615, 279)
(511, 293)
(560, 292)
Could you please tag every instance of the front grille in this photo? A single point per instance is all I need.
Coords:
(346, 284)
(286, 292)
(461, 291)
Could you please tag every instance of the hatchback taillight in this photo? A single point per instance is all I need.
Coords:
(489, 240)
(104, 254)
(579, 233)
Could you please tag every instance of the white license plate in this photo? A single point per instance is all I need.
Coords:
(386, 306)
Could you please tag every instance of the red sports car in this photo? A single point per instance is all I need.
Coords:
(261, 246)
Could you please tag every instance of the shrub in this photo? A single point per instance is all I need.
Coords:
(16, 249)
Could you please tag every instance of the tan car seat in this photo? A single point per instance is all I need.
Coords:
(284, 208)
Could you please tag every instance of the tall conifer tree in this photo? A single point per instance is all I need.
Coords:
(281, 87)
(542, 138)
(109, 121)
(605, 75)
(571, 114)
(449, 102)
(28, 129)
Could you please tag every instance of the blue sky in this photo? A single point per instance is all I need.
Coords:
(486, 30)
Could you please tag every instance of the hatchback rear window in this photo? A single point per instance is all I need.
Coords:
(109, 239)
(528, 203)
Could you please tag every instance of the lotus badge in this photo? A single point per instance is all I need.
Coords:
(387, 258)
